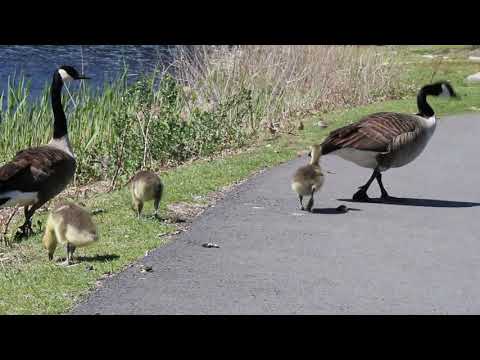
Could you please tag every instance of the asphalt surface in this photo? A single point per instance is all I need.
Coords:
(418, 257)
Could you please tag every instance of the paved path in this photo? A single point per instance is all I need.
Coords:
(421, 257)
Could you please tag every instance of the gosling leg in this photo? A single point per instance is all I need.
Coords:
(310, 202)
(70, 251)
(155, 204)
(300, 197)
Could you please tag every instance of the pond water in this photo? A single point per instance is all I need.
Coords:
(100, 62)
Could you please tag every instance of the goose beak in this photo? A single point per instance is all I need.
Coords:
(82, 77)
(309, 154)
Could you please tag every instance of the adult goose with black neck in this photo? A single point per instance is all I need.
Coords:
(38, 174)
(387, 140)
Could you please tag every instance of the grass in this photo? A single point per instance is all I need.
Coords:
(29, 284)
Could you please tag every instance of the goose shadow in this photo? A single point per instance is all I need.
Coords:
(332, 211)
(98, 258)
(417, 202)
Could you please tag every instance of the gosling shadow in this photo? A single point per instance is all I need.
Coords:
(332, 211)
(98, 258)
(417, 202)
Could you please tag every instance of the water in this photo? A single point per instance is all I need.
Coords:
(101, 62)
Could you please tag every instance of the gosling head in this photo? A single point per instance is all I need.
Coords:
(68, 73)
(315, 153)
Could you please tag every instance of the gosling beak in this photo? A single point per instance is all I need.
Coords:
(50, 257)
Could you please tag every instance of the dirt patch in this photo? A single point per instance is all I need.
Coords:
(184, 212)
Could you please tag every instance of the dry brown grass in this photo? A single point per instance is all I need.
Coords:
(288, 81)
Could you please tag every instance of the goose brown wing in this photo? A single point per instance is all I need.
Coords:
(375, 132)
(30, 168)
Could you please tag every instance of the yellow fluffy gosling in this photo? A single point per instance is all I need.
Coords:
(309, 178)
(146, 186)
(70, 225)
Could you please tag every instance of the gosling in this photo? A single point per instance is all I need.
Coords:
(70, 225)
(146, 186)
(309, 178)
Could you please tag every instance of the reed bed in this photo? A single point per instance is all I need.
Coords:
(208, 99)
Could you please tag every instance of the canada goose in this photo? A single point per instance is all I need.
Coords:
(36, 175)
(309, 178)
(384, 140)
(146, 186)
(70, 225)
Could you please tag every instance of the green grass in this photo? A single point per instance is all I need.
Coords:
(30, 284)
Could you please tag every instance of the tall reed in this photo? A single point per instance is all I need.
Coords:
(208, 99)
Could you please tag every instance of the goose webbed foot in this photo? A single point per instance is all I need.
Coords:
(361, 195)
(24, 231)
(385, 196)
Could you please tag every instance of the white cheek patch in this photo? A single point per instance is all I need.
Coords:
(64, 75)
(445, 91)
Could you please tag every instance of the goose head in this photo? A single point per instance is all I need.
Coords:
(443, 89)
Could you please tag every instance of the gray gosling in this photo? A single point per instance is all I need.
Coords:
(309, 178)
(146, 186)
(70, 225)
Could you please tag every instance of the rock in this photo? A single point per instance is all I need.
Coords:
(475, 53)
(210, 245)
(474, 58)
(474, 78)
(145, 268)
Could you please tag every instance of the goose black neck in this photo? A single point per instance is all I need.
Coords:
(424, 109)
(60, 121)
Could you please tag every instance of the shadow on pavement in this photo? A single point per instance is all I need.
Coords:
(332, 211)
(418, 202)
